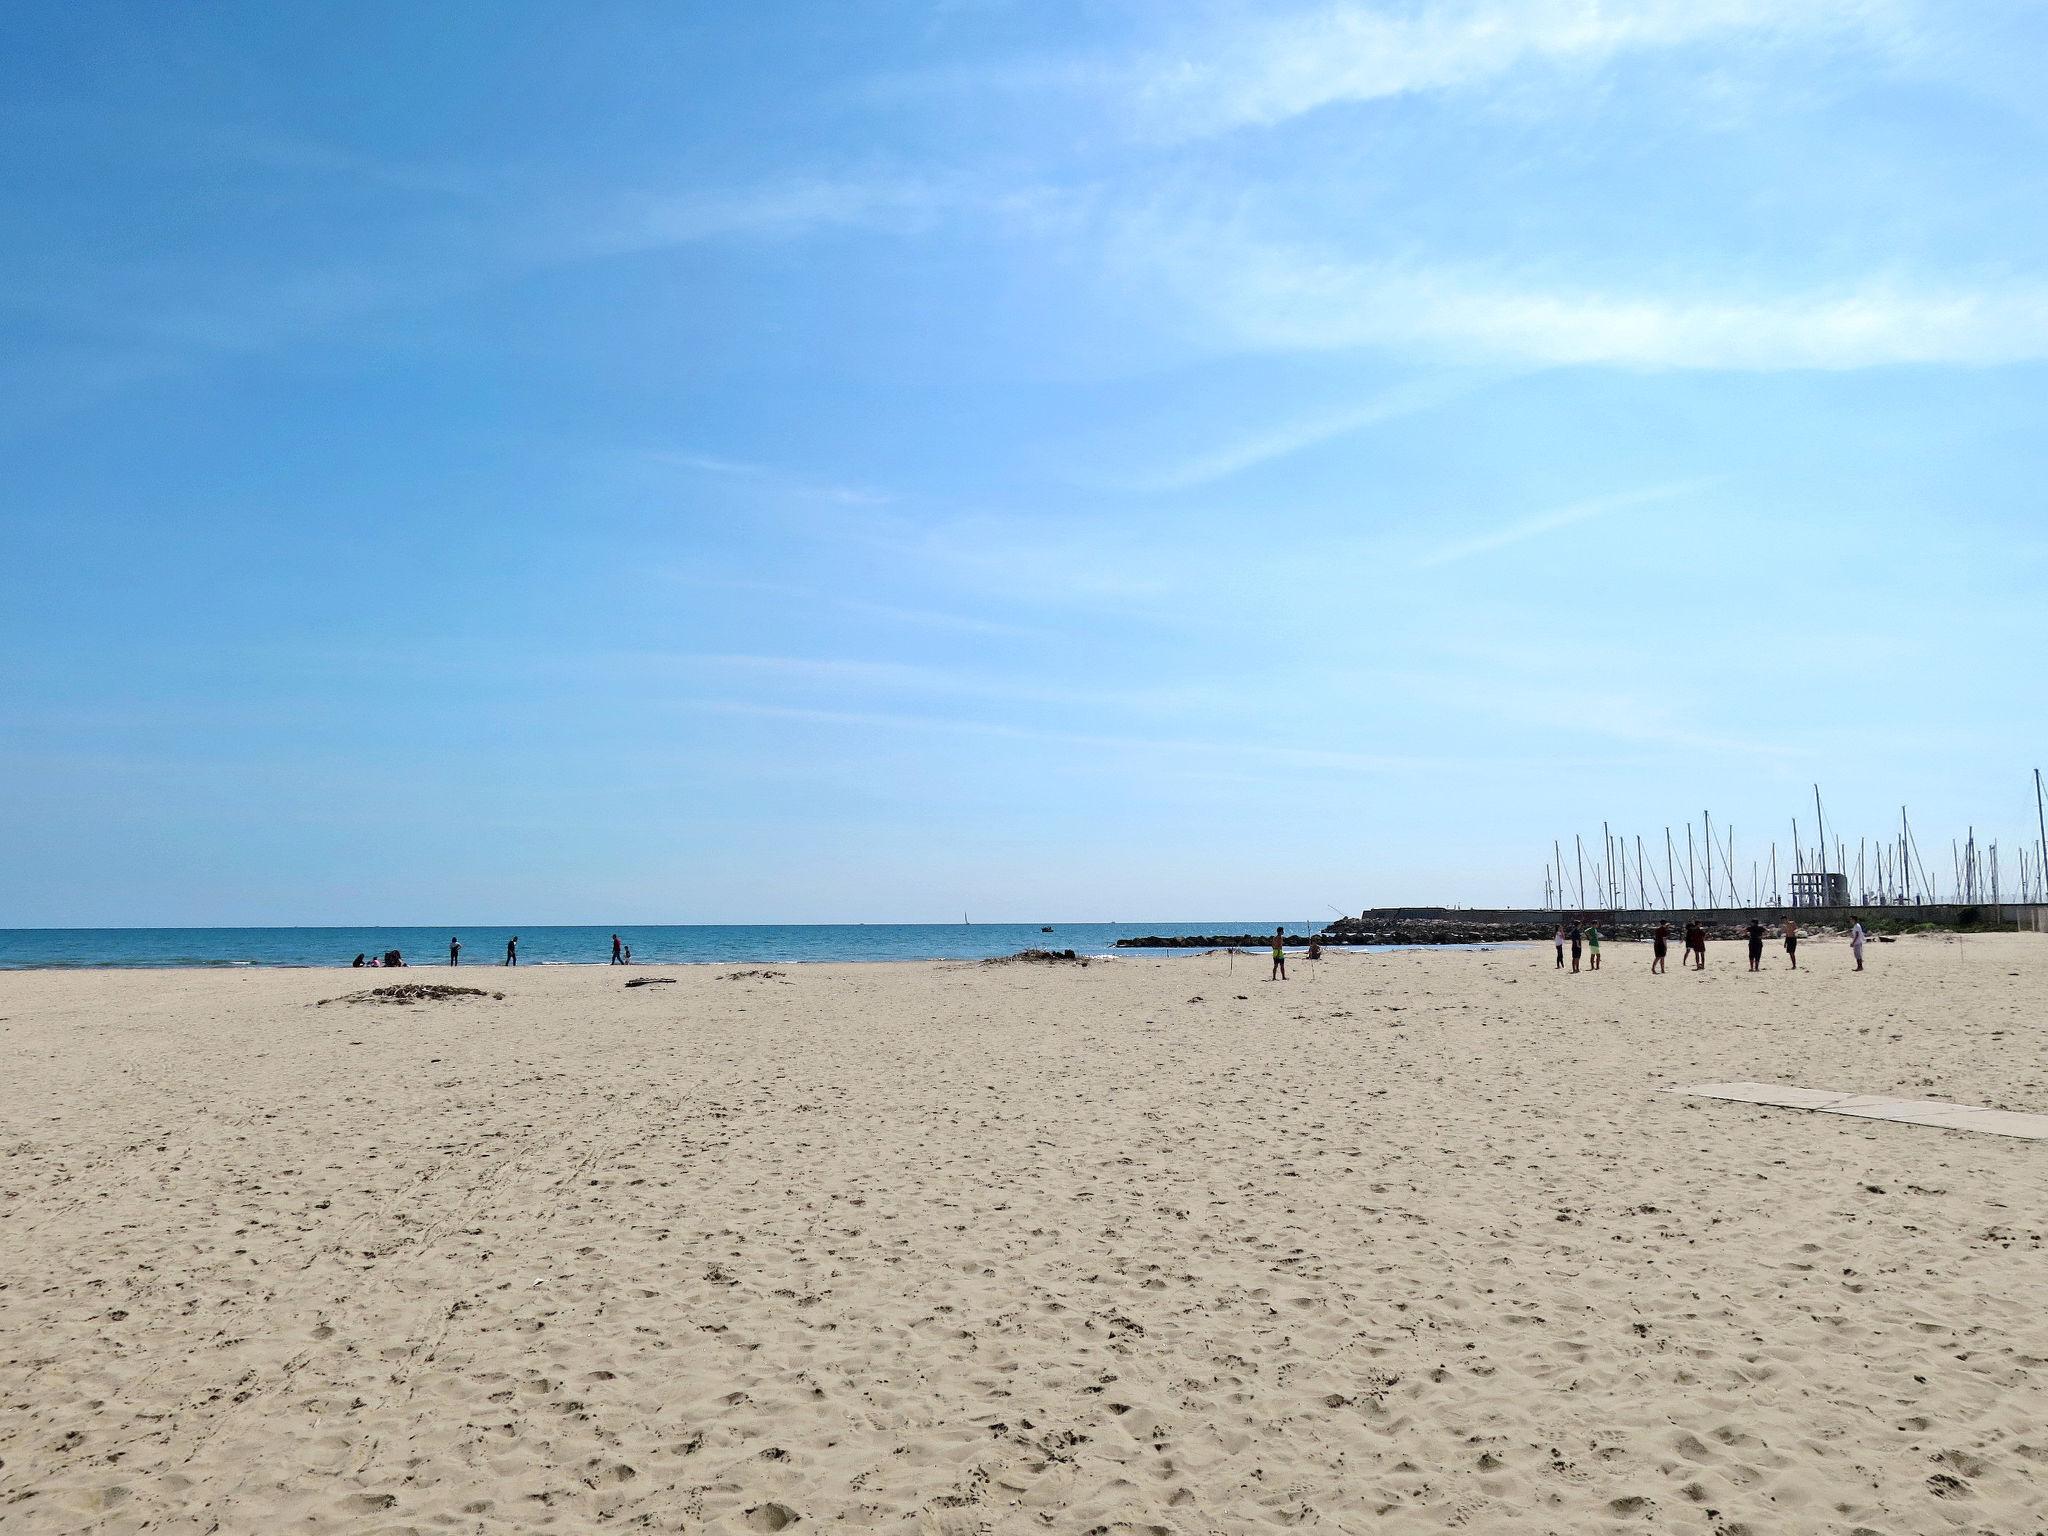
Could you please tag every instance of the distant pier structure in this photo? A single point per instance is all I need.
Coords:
(1819, 888)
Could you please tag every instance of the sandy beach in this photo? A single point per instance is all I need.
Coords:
(1411, 1243)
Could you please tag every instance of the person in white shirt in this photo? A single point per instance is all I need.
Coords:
(1856, 937)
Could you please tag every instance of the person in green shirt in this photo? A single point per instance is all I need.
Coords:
(1592, 946)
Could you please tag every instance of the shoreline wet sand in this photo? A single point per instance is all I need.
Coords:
(1410, 1242)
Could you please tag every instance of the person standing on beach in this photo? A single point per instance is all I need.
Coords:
(512, 950)
(1560, 946)
(1572, 935)
(1279, 956)
(1756, 944)
(1856, 941)
(455, 951)
(1792, 942)
(1592, 946)
(1660, 941)
(618, 956)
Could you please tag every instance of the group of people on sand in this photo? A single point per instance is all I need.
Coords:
(1587, 941)
(622, 953)
(511, 951)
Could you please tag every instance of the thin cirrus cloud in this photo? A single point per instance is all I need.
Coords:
(1549, 522)
(1280, 67)
(1409, 398)
(1281, 299)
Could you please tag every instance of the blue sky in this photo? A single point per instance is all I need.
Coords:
(808, 462)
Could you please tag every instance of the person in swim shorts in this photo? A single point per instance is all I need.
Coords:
(1756, 944)
(1660, 941)
(1279, 956)
(1792, 942)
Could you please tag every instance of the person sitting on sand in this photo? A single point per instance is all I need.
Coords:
(1756, 944)
(359, 962)
(1592, 946)
(1279, 956)
(1856, 941)
(1660, 941)
(1792, 942)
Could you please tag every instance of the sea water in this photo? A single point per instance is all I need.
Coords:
(685, 944)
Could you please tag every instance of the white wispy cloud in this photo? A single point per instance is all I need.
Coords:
(1548, 522)
(1234, 458)
(653, 220)
(1312, 758)
(770, 475)
(1272, 297)
(1271, 68)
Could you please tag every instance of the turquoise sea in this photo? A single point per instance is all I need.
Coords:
(714, 944)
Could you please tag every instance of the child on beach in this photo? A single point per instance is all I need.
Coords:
(1572, 933)
(1856, 942)
(1756, 944)
(1792, 942)
(1560, 946)
(1593, 947)
(1659, 942)
(1279, 956)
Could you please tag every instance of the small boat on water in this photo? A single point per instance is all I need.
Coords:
(1045, 930)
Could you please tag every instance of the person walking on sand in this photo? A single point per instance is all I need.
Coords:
(1279, 956)
(1560, 946)
(1592, 946)
(1660, 941)
(1856, 937)
(1792, 942)
(1756, 944)
(1572, 937)
(455, 951)
(618, 955)
(1696, 945)
(512, 950)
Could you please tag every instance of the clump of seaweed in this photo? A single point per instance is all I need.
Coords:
(409, 992)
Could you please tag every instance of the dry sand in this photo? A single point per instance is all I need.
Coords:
(1410, 1246)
